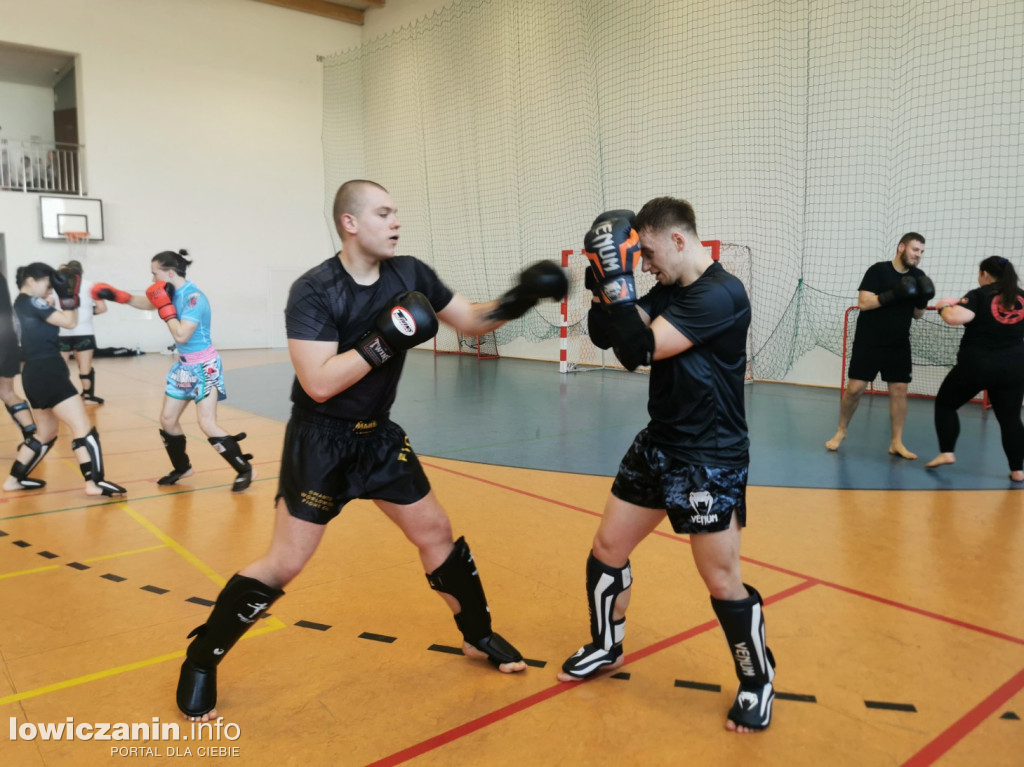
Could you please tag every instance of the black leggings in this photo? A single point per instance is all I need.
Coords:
(1005, 385)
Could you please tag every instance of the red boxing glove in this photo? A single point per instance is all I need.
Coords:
(161, 295)
(103, 291)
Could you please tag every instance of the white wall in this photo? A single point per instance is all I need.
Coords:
(202, 123)
(26, 112)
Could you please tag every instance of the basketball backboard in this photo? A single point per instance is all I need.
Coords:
(59, 215)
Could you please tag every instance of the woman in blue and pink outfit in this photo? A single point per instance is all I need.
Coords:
(197, 376)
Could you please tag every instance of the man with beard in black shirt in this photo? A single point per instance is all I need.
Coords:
(691, 461)
(350, 321)
(891, 294)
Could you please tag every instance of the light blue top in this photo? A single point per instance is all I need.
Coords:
(192, 306)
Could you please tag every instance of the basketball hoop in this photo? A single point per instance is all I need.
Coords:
(78, 243)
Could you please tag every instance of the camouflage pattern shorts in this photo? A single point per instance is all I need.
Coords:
(698, 499)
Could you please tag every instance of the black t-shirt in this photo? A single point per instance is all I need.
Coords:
(7, 334)
(886, 325)
(994, 328)
(38, 337)
(696, 397)
(326, 304)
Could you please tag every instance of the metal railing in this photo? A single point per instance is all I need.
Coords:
(41, 166)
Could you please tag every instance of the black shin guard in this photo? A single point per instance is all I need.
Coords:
(239, 461)
(20, 471)
(89, 388)
(743, 624)
(457, 576)
(604, 584)
(94, 469)
(28, 430)
(239, 605)
(175, 446)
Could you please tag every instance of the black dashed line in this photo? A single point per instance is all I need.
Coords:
(21, 544)
(78, 566)
(796, 697)
(535, 663)
(200, 601)
(154, 589)
(446, 649)
(621, 675)
(372, 636)
(312, 625)
(908, 707)
(47, 554)
(705, 686)
(112, 577)
(1010, 715)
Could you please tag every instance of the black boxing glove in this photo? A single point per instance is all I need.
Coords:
(905, 289)
(407, 320)
(613, 248)
(544, 279)
(925, 291)
(66, 283)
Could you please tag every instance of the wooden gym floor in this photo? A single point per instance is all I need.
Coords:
(896, 615)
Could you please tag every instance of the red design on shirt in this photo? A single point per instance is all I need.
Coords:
(1008, 316)
(192, 301)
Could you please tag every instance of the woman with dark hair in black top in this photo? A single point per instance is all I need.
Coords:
(10, 366)
(47, 382)
(991, 357)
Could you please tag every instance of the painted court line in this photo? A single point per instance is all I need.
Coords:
(759, 563)
(79, 680)
(967, 723)
(180, 550)
(937, 747)
(90, 559)
(486, 720)
(116, 501)
(273, 623)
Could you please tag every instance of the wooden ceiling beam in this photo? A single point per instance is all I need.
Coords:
(323, 8)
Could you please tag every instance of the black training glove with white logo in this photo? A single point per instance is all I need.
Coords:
(406, 321)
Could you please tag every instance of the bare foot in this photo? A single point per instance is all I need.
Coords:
(564, 677)
(898, 448)
(29, 483)
(942, 459)
(209, 716)
(108, 489)
(1017, 476)
(506, 668)
(833, 444)
(731, 726)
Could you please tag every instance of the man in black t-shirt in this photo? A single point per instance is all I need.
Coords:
(10, 366)
(350, 321)
(891, 294)
(691, 461)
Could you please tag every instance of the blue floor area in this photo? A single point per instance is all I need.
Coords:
(521, 413)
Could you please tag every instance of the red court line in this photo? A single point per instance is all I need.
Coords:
(966, 724)
(539, 697)
(925, 613)
(767, 565)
